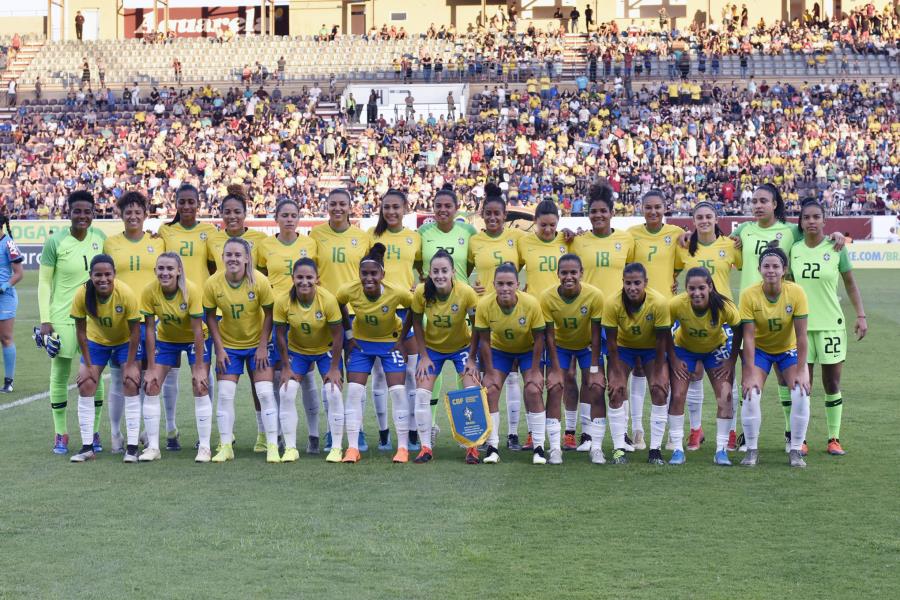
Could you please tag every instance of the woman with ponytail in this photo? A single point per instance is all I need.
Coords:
(173, 313)
(107, 326)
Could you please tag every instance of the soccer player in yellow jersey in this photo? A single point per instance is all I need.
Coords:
(375, 335)
(107, 326)
(173, 313)
(637, 327)
(774, 314)
(244, 297)
(709, 327)
(539, 253)
(309, 333)
(444, 336)
(509, 330)
(573, 311)
(233, 211)
(187, 237)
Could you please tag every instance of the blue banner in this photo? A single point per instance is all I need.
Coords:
(470, 419)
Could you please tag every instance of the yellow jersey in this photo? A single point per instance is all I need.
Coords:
(174, 314)
(216, 244)
(717, 257)
(241, 307)
(540, 258)
(774, 321)
(638, 330)
(656, 251)
(696, 333)
(278, 259)
(135, 261)
(338, 255)
(446, 323)
(488, 252)
(111, 325)
(512, 331)
(403, 249)
(571, 318)
(376, 319)
(309, 325)
(604, 258)
(190, 244)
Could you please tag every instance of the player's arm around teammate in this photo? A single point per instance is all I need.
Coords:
(309, 334)
(774, 313)
(173, 314)
(107, 326)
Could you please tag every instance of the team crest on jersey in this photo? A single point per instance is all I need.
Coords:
(667, 239)
(203, 236)
(618, 246)
(826, 256)
(510, 243)
(251, 295)
(319, 315)
(721, 254)
(454, 307)
(354, 242)
(150, 249)
(119, 308)
(183, 306)
(384, 309)
(409, 241)
(303, 254)
(562, 249)
(788, 309)
(649, 317)
(521, 320)
(778, 235)
(95, 246)
(461, 241)
(584, 310)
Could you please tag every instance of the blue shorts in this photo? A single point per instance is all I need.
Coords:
(302, 363)
(710, 360)
(236, 361)
(362, 359)
(459, 359)
(101, 355)
(169, 353)
(274, 354)
(764, 360)
(630, 355)
(503, 361)
(565, 357)
(9, 302)
(402, 312)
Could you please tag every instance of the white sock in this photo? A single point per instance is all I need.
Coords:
(676, 431)
(265, 391)
(659, 416)
(571, 420)
(276, 390)
(86, 419)
(411, 361)
(133, 419)
(584, 413)
(597, 431)
(695, 404)
(736, 403)
(751, 420)
(225, 410)
(513, 402)
(203, 416)
(310, 406)
(353, 414)
(287, 412)
(335, 414)
(493, 436)
(423, 416)
(638, 390)
(311, 394)
(170, 398)
(115, 401)
(799, 417)
(538, 427)
(400, 405)
(553, 432)
(380, 396)
(723, 428)
(260, 426)
(618, 422)
(151, 420)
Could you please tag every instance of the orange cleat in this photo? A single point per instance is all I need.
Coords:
(529, 443)
(696, 438)
(732, 441)
(472, 456)
(834, 447)
(424, 455)
(352, 455)
(402, 456)
(569, 442)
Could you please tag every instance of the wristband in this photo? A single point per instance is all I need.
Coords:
(595, 369)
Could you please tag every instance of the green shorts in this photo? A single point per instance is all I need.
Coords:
(827, 347)
(68, 341)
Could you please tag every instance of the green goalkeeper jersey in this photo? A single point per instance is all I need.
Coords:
(455, 242)
(754, 240)
(817, 270)
(70, 261)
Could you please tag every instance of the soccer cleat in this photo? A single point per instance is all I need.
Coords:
(413, 443)
(585, 443)
(204, 455)
(529, 443)
(172, 441)
(695, 439)
(7, 386)
(751, 459)
(732, 441)
(272, 455)
(569, 442)
(834, 447)
(352, 455)
(619, 458)
(334, 455)
(384, 440)
(327, 441)
(629, 444)
(556, 456)
(61, 444)
(804, 449)
(224, 453)
(131, 455)
(117, 443)
(424, 456)
(538, 457)
(512, 443)
(655, 457)
(639, 443)
(402, 456)
(721, 459)
(312, 445)
(150, 454)
(597, 457)
(795, 458)
(492, 457)
(290, 455)
(260, 445)
(98, 446)
(85, 455)
(361, 442)
(677, 458)
(741, 443)
(472, 456)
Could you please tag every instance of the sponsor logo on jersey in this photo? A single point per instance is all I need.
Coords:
(251, 295)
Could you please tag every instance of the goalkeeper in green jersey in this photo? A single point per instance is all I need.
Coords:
(64, 267)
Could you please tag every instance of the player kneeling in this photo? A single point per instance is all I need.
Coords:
(173, 314)
(107, 326)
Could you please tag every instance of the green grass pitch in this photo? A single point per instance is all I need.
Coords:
(378, 530)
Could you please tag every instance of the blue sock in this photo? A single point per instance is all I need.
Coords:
(9, 360)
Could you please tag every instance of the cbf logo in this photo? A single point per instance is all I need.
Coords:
(119, 308)
(618, 246)
(150, 249)
(510, 243)
(409, 241)
(384, 309)
(789, 309)
(95, 246)
(521, 320)
(649, 317)
(668, 240)
(826, 256)
(251, 295)
(461, 241)
(203, 236)
(319, 315)
(183, 306)
(721, 254)
(354, 242)
(454, 307)
(562, 249)
(303, 254)
(584, 310)
(778, 236)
